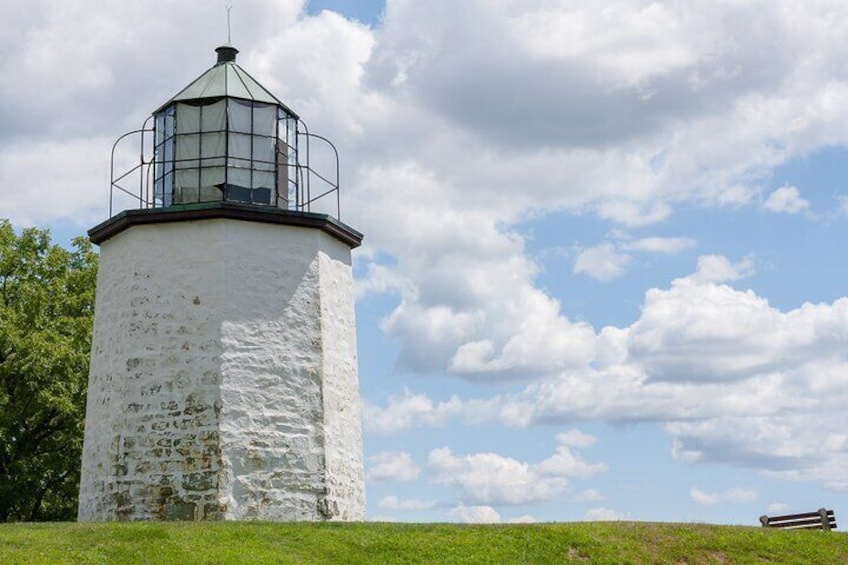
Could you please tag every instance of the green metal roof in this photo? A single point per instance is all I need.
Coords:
(226, 78)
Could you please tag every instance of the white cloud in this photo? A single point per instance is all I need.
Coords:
(777, 508)
(731, 378)
(734, 495)
(474, 514)
(523, 519)
(409, 410)
(702, 497)
(494, 479)
(590, 495)
(36, 197)
(473, 309)
(602, 514)
(843, 205)
(718, 269)
(395, 503)
(741, 495)
(667, 245)
(786, 199)
(392, 466)
(575, 438)
(601, 262)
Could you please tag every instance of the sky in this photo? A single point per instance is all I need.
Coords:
(603, 275)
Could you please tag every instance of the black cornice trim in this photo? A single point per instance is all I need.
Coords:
(227, 210)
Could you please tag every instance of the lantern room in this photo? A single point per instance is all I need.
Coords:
(225, 138)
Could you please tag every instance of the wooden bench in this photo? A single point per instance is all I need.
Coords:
(821, 519)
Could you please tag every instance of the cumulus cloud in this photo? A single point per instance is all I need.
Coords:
(601, 262)
(494, 479)
(409, 410)
(394, 503)
(842, 205)
(474, 514)
(731, 378)
(590, 495)
(667, 245)
(735, 495)
(392, 466)
(719, 269)
(472, 309)
(602, 514)
(777, 508)
(786, 199)
(523, 519)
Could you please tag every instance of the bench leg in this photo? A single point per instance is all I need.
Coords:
(824, 519)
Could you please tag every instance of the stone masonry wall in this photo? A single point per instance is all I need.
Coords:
(345, 492)
(211, 374)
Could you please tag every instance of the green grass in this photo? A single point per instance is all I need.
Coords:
(257, 543)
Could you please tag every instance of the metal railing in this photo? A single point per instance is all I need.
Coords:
(133, 188)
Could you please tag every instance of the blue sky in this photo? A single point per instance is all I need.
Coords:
(603, 274)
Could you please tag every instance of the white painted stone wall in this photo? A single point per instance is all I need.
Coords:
(223, 378)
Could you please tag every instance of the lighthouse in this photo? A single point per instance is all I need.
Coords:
(223, 381)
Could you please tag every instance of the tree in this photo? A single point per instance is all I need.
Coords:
(46, 311)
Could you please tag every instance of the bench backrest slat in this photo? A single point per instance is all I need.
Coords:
(820, 520)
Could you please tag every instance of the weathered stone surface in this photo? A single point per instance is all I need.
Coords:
(223, 379)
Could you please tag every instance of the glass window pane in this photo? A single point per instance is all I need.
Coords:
(237, 176)
(213, 116)
(263, 149)
(243, 163)
(240, 115)
(211, 176)
(265, 120)
(158, 192)
(263, 179)
(212, 145)
(186, 188)
(168, 187)
(239, 146)
(283, 187)
(188, 150)
(188, 118)
(211, 184)
(169, 151)
(169, 121)
(214, 162)
(159, 125)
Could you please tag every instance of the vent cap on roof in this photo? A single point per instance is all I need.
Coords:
(226, 54)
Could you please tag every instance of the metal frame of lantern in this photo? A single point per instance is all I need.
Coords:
(299, 195)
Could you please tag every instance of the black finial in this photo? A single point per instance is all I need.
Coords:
(226, 54)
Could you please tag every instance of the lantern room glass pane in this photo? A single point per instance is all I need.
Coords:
(188, 118)
(188, 150)
(263, 179)
(265, 120)
(213, 117)
(212, 145)
(240, 146)
(224, 149)
(241, 118)
(263, 149)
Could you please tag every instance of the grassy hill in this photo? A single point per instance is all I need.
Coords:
(257, 543)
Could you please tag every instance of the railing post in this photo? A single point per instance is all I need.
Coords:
(824, 519)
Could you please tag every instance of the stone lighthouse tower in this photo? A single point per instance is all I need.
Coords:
(223, 380)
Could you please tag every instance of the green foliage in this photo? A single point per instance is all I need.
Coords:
(305, 543)
(46, 308)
